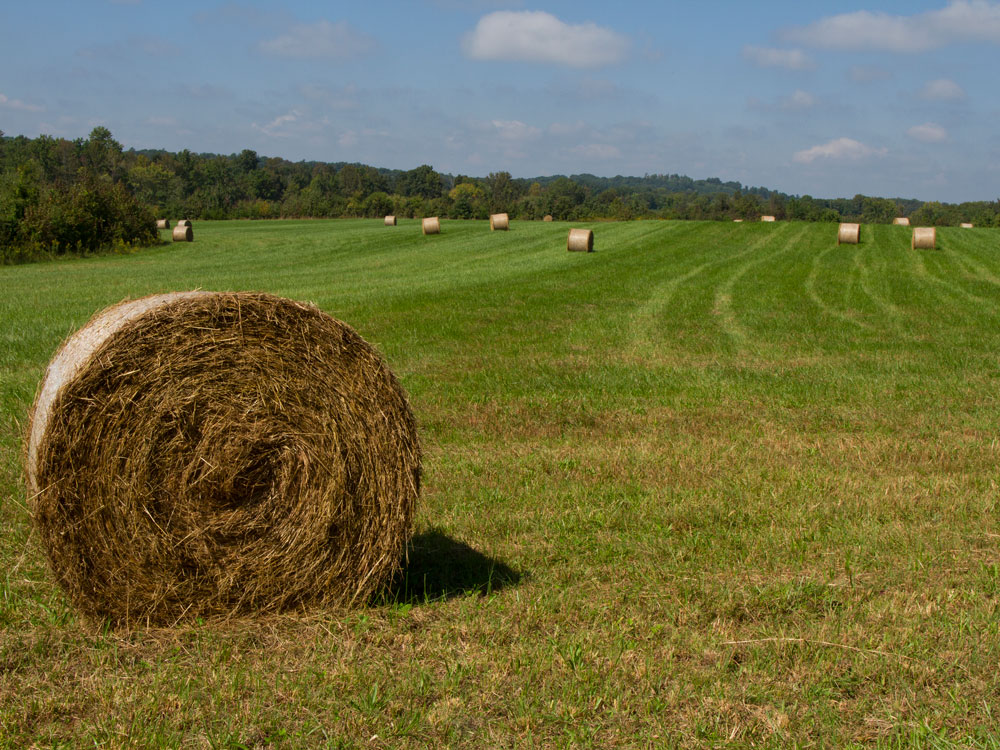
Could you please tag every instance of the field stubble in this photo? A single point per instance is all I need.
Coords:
(710, 484)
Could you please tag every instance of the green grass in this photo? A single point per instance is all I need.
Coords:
(711, 484)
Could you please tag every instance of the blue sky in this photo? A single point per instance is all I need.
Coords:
(888, 98)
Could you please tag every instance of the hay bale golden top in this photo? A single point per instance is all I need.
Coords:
(849, 234)
(204, 454)
(499, 222)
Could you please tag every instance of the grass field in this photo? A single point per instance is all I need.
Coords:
(713, 483)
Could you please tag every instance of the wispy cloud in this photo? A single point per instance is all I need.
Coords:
(19, 105)
(942, 90)
(323, 39)
(959, 21)
(279, 127)
(539, 37)
(929, 132)
(772, 57)
(839, 148)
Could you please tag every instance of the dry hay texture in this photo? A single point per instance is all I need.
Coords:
(184, 222)
(767, 218)
(390, 221)
(162, 224)
(499, 222)
(431, 225)
(849, 234)
(966, 225)
(210, 454)
(901, 221)
(183, 233)
(547, 217)
(924, 238)
(580, 240)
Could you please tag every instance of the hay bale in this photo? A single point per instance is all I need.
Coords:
(208, 454)
(183, 234)
(924, 238)
(580, 241)
(767, 218)
(966, 225)
(162, 224)
(184, 222)
(901, 221)
(737, 221)
(547, 217)
(431, 225)
(499, 222)
(390, 221)
(849, 234)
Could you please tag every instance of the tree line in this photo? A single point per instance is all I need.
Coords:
(59, 196)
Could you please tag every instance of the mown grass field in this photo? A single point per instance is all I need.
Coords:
(711, 484)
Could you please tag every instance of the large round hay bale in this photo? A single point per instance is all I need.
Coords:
(431, 225)
(966, 225)
(162, 224)
(737, 221)
(390, 221)
(183, 233)
(208, 454)
(547, 217)
(499, 222)
(184, 222)
(901, 221)
(924, 238)
(849, 234)
(767, 218)
(580, 240)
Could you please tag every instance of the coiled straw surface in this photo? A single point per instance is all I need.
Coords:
(431, 225)
(924, 238)
(499, 222)
(901, 221)
(390, 221)
(211, 454)
(183, 233)
(163, 224)
(580, 240)
(849, 234)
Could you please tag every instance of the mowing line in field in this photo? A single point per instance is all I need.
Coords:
(645, 317)
(823, 305)
(723, 306)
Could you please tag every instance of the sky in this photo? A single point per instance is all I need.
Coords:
(893, 99)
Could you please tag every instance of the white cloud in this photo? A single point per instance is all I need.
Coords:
(942, 90)
(278, 127)
(515, 130)
(18, 105)
(839, 148)
(536, 36)
(319, 40)
(958, 21)
(799, 100)
(929, 132)
(770, 57)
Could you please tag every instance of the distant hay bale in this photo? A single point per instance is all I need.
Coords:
(767, 218)
(580, 241)
(499, 222)
(162, 224)
(924, 238)
(737, 221)
(390, 221)
(431, 225)
(901, 221)
(202, 454)
(966, 225)
(183, 222)
(183, 233)
(849, 234)
(547, 217)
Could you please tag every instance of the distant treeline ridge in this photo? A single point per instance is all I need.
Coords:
(59, 196)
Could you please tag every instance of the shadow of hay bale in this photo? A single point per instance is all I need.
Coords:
(441, 567)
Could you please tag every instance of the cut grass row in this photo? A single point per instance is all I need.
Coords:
(712, 483)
